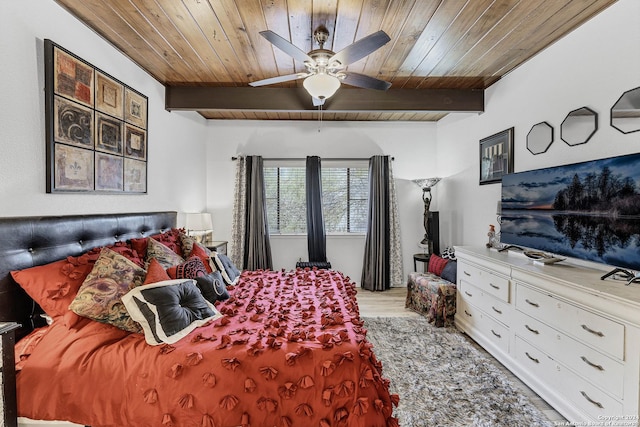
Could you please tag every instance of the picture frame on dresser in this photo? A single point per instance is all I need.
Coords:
(496, 156)
(95, 127)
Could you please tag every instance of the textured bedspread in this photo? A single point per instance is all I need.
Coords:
(290, 350)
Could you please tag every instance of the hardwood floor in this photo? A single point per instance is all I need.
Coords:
(391, 304)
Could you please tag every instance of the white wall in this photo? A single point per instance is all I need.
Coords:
(413, 145)
(592, 66)
(176, 140)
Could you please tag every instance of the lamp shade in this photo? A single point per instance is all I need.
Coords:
(321, 85)
(426, 183)
(198, 221)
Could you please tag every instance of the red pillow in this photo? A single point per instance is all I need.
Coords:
(203, 254)
(436, 264)
(190, 269)
(53, 286)
(170, 239)
(155, 273)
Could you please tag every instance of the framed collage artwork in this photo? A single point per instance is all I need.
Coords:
(96, 128)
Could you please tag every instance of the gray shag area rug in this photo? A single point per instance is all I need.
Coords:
(442, 380)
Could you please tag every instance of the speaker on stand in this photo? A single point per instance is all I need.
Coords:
(433, 233)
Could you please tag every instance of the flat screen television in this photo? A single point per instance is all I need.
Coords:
(588, 210)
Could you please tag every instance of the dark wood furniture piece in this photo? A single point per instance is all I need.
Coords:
(219, 246)
(423, 258)
(10, 413)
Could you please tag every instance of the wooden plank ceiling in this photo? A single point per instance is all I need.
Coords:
(462, 45)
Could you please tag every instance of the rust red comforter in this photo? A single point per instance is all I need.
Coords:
(290, 350)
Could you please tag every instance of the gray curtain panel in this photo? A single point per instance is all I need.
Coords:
(376, 271)
(316, 236)
(257, 247)
(250, 246)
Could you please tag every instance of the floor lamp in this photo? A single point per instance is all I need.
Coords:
(426, 184)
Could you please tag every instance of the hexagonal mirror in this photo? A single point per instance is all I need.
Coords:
(625, 113)
(579, 126)
(539, 138)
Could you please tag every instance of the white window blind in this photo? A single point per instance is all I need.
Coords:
(345, 192)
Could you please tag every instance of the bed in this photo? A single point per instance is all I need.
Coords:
(286, 348)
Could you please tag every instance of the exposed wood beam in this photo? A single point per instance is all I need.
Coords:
(345, 100)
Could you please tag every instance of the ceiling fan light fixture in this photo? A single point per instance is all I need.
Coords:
(321, 85)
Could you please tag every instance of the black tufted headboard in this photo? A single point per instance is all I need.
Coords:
(37, 240)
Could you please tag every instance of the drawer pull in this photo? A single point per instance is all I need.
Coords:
(531, 357)
(468, 294)
(468, 314)
(496, 310)
(586, 396)
(588, 329)
(530, 329)
(593, 365)
(466, 274)
(494, 286)
(535, 304)
(496, 334)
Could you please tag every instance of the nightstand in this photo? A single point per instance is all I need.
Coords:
(7, 330)
(220, 247)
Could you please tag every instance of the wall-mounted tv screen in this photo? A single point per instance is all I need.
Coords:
(588, 210)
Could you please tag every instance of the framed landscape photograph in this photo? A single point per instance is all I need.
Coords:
(496, 156)
(96, 128)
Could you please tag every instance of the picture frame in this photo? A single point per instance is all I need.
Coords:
(496, 156)
(96, 128)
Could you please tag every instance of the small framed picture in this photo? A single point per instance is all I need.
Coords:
(135, 142)
(109, 172)
(109, 95)
(135, 108)
(72, 78)
(496, 156)
(108, 134)
(135, 176)
(72, 168)
(72, 123)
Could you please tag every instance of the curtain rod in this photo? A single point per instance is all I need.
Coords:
(322, 158)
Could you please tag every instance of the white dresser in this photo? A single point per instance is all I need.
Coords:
(573, 338)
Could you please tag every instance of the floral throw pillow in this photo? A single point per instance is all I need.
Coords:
(161, 253)
(99, 297)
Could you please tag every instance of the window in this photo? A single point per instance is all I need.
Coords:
(345, 194)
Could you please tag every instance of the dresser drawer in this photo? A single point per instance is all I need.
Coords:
(535, 361)
(604, 334)
(490, 282)
(493, 306)
(485, 325)
(599, 369)
(586, 397)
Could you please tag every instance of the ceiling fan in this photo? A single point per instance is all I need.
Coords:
(326, 69)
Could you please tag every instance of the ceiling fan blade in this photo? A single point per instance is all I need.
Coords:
(360, 49)
(317, 101)
(361, 80)
(279, 79)
(285, 46)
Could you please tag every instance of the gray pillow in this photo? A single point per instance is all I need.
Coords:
(212, 287)
(169, 310)
(450, 271)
